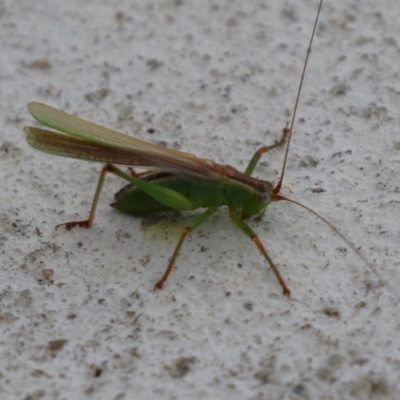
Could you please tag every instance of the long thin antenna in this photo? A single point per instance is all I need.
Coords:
(277, 189)
(371, 267)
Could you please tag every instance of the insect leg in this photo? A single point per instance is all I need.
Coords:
(87, 223)
(166, 196)
(197, 222)
(139, 174)
(258, 154)
(251, 234)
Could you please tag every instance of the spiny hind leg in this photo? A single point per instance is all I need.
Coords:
(262, 150)
(196, 223)
(87, 223)
(251, 234)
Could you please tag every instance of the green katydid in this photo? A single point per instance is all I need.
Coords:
(180, 181)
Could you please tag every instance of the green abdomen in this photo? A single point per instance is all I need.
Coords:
(201, 192)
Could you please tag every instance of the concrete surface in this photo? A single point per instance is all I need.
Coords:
(79, 318)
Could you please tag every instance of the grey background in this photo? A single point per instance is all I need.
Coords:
(217, 79)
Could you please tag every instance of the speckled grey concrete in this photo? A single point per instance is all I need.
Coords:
(79, 318)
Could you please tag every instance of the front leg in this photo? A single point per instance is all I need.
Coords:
(258, 154)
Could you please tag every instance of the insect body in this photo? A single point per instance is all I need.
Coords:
(185, 183)
(180, 181)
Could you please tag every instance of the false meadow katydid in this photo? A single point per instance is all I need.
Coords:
(180, 181)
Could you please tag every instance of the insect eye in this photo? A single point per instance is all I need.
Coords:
(265, 198)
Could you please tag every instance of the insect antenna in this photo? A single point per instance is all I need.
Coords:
(371, 267)
(277, 188)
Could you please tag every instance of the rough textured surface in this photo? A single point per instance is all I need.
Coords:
(78, 318)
